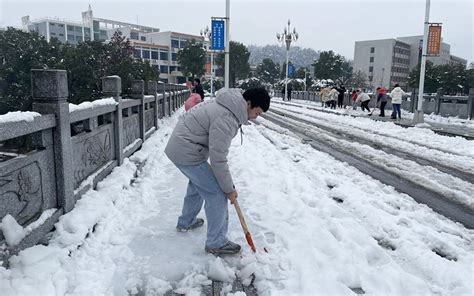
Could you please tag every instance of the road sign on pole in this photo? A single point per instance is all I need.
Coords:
(218, 35)
(291, 69)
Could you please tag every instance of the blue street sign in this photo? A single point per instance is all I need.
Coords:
(217, 35)
(291, 68)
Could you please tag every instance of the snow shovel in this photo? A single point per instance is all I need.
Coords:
(375, 107)
(248, 237)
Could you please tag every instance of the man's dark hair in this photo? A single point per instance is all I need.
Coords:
(197, 80)
(258, 97)
(396, 85)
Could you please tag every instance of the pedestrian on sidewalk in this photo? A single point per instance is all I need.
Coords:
(353, 99)
(290, 89)
(340, 98)
(334, 94)
(364, 100)
(381, 101)
(396, 94)
(325, 95)
(205, 132)
(198, 88)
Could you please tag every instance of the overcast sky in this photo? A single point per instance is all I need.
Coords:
(322, 25)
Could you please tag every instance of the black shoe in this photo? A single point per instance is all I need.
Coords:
(199, 222)
(229, 248)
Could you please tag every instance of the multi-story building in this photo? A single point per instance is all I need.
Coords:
(159, 48)
(385, 62)
(389, 61)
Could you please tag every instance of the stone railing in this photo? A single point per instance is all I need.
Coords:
(461, 106)
(72, 150)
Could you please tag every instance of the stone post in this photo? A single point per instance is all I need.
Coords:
(168, 99)
(438, 99)
(161, 89)
(138, 90)
(112, 87)
(414, 100)
(470, 104)
(49, 91)
(153, 90)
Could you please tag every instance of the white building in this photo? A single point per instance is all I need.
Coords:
(159, 48)
(389, 61)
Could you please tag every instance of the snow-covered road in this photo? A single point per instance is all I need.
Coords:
(328, 228)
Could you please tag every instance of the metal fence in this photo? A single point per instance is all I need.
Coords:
(71, 151)
(461, 106)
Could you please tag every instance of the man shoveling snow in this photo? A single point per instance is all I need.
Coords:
(205, 132)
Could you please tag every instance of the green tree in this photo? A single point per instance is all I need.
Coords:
(239, 67)
(192, 59)
(431, 78)
(268, 71)
(332, 66)
(19, 53)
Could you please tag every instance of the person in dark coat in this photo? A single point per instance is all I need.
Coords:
(340, 97)
(198, 88)
(382, 101)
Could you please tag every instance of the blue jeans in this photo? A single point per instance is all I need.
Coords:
(396, 110)
(203, 187)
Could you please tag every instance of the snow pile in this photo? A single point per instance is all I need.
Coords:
(91, 105)
(14, 233)
(17, 116)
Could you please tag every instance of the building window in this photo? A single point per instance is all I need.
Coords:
(371, 78)
(134, 35)
(61, 25)
(182, 43)
(371, 69)
(60, 34)
(174, 56)
(371, 59)
(163, 55)
(172, 68)
(52, 24)
(154, 55)
(137, 54)
(145, 54)
(163, 69)
(372, 49)
(142, 38)
(174, 43)
(70, 38)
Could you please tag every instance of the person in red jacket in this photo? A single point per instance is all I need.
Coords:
(354, 98)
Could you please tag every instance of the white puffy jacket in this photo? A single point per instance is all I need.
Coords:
(396, 94)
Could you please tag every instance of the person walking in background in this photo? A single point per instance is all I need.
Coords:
(206, 132)
(290, 88)
(353, 99)
(325, 95)
(396, 94)
(364, 100)
(340, 97)
(198, 88)
(381, 101)
(334, 94)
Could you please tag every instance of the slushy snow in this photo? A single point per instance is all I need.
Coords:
(328, 228)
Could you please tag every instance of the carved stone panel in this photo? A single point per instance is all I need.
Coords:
(149, 119)
(21, 195)
(131, 129)
(90, 152)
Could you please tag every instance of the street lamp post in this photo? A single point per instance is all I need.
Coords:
(206, 34)
(287, 37)
(418, 116)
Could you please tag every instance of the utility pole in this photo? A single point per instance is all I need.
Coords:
(418, 117)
